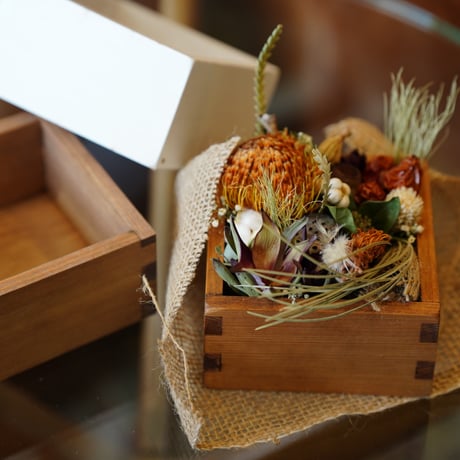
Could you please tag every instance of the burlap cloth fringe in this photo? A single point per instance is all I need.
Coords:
(225, 419)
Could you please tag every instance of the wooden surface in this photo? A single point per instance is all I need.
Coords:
(391, 352)
(366, 352)
(85, 192)
(72, 255)
(21, 164)
(32, 232)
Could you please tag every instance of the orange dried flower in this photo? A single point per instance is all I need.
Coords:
(375, 165)
(408, 173)
(370, 190)
(291, 169)
(365, 247)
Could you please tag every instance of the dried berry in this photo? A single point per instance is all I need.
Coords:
(369, 190)
(376, 165)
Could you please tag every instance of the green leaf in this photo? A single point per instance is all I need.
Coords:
(232, 238)
(383, 214)
(224, 272)
(344, 217)
(229, 253)
(247, 281)
(290, 232)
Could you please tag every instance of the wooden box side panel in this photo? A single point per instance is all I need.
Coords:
(71, 301)
(214, 284)
(21, 162)
(366, 352)
(85, 191)
(426, 245)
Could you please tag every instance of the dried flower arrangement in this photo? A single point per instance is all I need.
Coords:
(332, 227)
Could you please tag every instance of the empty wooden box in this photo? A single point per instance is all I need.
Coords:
(72, 246)
(387, 352)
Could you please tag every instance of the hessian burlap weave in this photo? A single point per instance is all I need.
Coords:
(224, 419)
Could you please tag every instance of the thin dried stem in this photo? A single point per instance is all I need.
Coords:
(299, 300)
(413, 116)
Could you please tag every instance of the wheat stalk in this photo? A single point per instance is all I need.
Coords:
(260, 102)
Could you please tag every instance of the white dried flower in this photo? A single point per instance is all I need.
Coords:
(336, 255)
(344, 202)
(411, 210)
(248, 224)
(325, 168)
(326, 233)
(338, 193)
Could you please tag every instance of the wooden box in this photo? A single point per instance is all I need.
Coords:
(72, 246)
(390, 352)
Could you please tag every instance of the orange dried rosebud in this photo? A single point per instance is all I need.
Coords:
(375, 165)
(368, 246)
(408, 173)
(369, 190)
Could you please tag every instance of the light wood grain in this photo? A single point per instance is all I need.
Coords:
(21, 163)
(70, 301)
(214, 284)
(84, 190)
(366, 352)
(425, 245)
(32, 232)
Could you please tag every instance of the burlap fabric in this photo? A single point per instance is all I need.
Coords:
(224, 419)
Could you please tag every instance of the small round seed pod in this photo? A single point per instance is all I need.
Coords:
(338, 193)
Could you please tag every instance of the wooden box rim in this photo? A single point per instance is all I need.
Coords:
(429, 295)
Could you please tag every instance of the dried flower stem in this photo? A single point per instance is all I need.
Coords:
(260, 103)
(282, 208)
(325, 168)
(374, 284)
(413, 119)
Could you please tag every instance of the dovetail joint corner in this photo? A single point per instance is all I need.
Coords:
(429, 332)
(424, 370)
(212, 362)
(213, 325)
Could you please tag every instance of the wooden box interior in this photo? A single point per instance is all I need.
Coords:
(72, 246)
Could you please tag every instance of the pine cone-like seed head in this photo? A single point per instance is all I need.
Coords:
(288, 164)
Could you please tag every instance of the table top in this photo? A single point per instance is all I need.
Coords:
(92, 403)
